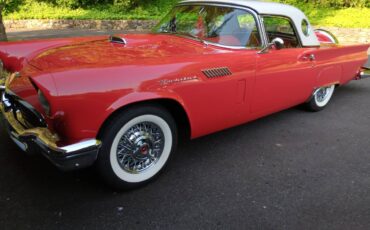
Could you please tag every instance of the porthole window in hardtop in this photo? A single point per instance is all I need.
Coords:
(281, 27)
(220, 25)
(306, 28)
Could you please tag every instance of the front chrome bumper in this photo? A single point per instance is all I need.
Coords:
(41, 139)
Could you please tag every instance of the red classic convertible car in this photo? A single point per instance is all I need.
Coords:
(120, 103)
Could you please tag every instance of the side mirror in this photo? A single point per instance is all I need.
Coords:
(277, 42)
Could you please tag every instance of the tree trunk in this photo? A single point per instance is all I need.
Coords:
(3, 36)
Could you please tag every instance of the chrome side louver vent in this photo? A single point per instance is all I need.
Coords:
(217, 72)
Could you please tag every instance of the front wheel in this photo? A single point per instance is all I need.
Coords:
(321, 98)
(137, 145)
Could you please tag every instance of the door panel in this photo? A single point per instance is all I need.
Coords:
(284, 78)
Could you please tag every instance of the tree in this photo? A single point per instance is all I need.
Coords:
(6, 6)
(3, 36)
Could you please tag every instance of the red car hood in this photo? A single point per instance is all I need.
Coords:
(100, 53)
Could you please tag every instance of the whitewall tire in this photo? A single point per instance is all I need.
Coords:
(321, 98)
(137, 144)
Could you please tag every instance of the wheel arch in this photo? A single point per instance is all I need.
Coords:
(173, 106)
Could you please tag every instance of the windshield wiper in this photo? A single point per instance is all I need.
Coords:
(185, 34)
(195, 37)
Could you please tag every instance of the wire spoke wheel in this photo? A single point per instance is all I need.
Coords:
(323, 95)
(320, 98)
(140, 147)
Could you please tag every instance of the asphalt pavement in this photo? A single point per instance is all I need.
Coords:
(291, 170)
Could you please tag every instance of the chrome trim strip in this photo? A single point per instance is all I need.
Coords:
(21, 145)
(263, 33)
(207, 43)
(84, 145)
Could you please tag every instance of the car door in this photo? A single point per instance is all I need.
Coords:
(284, 77)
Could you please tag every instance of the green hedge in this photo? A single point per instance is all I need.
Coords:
(13, 5)
(163, 5)
(126, 5)
(318, 12)
(129, 4)
(330, 3)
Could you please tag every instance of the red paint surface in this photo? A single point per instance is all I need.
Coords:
(87, 79)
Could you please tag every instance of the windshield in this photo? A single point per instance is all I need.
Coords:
(222, 25)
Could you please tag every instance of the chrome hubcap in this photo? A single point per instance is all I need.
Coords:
(322, 94)
(140, 147)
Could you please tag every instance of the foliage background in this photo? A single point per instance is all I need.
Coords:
(340, 13)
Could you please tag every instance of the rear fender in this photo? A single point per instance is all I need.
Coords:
(330, 75)
(339, 64)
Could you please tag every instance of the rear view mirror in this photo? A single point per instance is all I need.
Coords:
(277, 42)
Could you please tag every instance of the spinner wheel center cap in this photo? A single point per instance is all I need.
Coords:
(144, 149)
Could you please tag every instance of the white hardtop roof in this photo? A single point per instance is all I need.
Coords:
(261, 7)
(272, 8)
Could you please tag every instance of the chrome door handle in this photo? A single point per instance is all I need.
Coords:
(309, 57)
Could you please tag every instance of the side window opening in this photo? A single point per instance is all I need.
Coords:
(283, 28)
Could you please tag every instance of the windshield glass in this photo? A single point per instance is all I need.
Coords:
(222, 25)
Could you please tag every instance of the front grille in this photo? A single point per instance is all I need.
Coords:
(217, 72)
(23, 111)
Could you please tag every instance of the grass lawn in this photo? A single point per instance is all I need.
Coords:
(346, 18)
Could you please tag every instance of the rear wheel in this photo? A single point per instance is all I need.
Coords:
(137, 145)
(321, 98)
